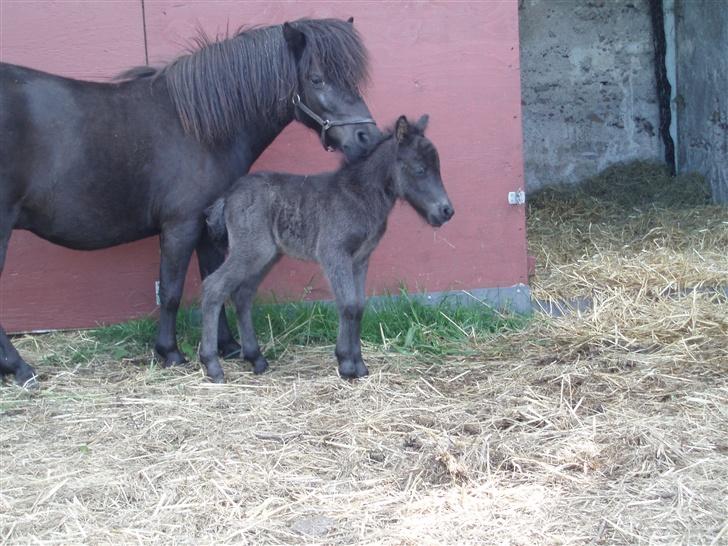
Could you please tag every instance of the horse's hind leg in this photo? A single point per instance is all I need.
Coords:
(10, 360)
(209, 258)
(176, 243)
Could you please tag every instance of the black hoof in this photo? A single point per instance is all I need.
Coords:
(260, 365)
(349, 369)
(25, 377)
(219, 379)
(229, 350)
(213, 370)
(173, 358)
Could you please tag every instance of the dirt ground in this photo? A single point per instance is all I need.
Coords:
(608, 426)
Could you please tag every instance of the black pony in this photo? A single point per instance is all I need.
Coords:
(92, 165)
(335, 219)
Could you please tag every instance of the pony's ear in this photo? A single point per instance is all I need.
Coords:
(295, 39)
(402, 129)
(421, 124)
(350, 20)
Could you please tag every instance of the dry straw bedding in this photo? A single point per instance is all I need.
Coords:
(609, 426)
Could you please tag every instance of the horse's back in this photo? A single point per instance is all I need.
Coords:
(87, 156)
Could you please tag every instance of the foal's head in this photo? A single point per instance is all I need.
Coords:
(417, 172)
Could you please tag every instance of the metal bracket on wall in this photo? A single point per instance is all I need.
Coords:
(517, 197)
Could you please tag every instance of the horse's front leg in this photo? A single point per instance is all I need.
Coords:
(177, 243)
(209, 258)
(345, 279)
(10, 360)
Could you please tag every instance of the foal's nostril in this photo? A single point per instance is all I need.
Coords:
(447, 212)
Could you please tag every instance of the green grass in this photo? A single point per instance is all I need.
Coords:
(402, 324)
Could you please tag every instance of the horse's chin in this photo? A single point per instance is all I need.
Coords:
(352, 155)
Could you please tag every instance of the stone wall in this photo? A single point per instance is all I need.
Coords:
(588, 87)
(702, 84)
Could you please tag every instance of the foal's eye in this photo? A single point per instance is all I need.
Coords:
(317, 80)
(418, 169)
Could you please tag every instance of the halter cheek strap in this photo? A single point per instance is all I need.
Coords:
(325, 123)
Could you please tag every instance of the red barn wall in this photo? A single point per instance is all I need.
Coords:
(456, 61)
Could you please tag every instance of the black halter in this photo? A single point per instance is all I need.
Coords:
(325, 123)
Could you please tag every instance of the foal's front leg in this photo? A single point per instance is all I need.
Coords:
(346, 281)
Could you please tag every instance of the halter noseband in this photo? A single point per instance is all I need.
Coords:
(325, 123)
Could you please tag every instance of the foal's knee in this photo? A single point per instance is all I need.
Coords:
(352, 311)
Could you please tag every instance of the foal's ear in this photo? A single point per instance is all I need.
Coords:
(295, 39)
(350, 20)
(402, 129)
(421, 124)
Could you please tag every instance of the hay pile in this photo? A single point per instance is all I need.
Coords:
(602, 427)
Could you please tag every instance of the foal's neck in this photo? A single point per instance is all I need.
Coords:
(374, 178)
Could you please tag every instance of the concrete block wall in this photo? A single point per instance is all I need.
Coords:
(702, 91)
(588, 88)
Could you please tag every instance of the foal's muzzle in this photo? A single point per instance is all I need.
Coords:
(442, 213)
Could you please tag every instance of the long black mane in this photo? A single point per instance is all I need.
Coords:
(225, 83)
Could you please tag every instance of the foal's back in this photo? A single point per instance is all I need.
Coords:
(303, 215)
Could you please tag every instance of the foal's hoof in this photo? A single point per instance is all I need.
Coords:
(350, 369)
(260, 365)
(214, 372)
(229, 350)
(173, 358)
(219, 379)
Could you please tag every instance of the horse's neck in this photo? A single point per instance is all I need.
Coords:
(251, 138)
(248, 143)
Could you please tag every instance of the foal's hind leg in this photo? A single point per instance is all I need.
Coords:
(243, 298)
(209, 258)
(10, 360)
(215, 290)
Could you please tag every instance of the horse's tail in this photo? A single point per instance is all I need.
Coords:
(215, 219)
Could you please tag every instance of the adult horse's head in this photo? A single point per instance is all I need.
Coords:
(262, 78)
(331, 64)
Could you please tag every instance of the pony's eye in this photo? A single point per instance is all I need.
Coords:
(419, 170)
(317, 80)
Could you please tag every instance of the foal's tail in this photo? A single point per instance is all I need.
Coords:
(215, 218)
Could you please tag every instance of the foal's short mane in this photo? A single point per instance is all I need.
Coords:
(228, 83)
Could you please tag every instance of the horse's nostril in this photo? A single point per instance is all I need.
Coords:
(362, 136)
(447, 212)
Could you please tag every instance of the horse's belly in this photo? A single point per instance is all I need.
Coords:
(81, 233)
